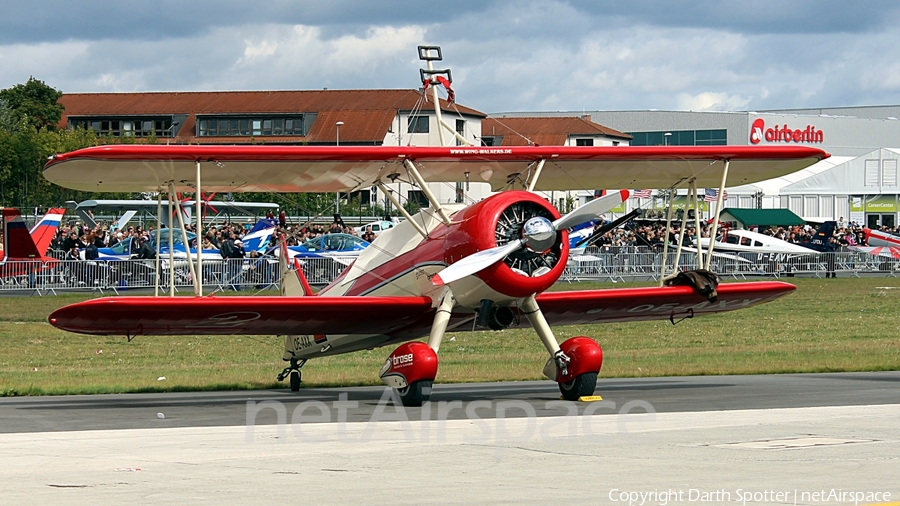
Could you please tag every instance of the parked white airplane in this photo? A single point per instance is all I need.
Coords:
(745, 241)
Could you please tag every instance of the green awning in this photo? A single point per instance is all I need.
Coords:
(761, 217)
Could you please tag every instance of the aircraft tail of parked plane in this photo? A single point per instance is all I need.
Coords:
(820, 240)
(879, 238)
(21, 244)
(44, 230)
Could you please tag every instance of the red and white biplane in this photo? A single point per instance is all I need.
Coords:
(449, 267)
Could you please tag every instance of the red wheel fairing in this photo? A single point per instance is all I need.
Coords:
(586, 357)
(409, 363)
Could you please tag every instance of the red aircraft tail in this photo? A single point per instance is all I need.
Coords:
(44, 230)
(17, 241)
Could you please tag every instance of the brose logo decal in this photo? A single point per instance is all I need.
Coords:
(402, 360)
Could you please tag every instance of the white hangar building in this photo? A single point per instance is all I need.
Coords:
(858, 183)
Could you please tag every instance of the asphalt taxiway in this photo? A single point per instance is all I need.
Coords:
(672, 394)
(774, 439)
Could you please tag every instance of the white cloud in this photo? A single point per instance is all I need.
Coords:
(710, 101)
(549, 55)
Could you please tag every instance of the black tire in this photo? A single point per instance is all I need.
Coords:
(416, 394)
(583, 385)
(295, 381)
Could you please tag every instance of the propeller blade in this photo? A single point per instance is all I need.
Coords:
(475, 263)
(591, 210)
(606, 228)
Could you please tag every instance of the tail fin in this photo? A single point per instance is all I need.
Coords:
(819, 241)
(293, 282)
(44, 231)
(17, 242)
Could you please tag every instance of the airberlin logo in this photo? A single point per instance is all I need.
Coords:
(783, 133)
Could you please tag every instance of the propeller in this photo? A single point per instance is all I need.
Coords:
(587, 241)
(538, 234)
(180, 206)
(204, 202)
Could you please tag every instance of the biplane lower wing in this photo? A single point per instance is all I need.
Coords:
(653, 303)
(392, 316)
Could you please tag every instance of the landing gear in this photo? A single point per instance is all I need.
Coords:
(411, 370)
(574, 364)
(416, 393)
(292, 371)
(295, 381)
(412, 367)
(582, 386)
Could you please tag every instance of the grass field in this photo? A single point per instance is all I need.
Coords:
(826, 325)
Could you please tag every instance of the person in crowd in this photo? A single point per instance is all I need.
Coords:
(145, 250)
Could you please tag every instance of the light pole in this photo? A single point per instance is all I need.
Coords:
(337, 127)
(666, 137)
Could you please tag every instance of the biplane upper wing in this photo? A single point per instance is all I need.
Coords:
(133, 168)
(408, 317)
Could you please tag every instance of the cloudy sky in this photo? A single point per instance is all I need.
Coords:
(505, 55)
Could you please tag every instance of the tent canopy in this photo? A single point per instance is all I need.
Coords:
(761, 217)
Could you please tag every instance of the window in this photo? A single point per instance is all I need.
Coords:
(232, 126)
(889, 172)
(584, 142)
(418, 125)
(417, 198)
(364, 197)
(871, 174)
(126, 126)
(718, 137)
(461, 130)
(811, 205)
(492, 140)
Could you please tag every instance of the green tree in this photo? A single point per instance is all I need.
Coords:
(35, 102)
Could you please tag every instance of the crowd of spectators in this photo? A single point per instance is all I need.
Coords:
(653, 234)
(76, 241)
(74, 238)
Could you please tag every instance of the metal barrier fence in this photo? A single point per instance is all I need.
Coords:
(596, 264)
(123, 275)
(632, 263)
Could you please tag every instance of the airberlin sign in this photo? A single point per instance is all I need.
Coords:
(784, 133)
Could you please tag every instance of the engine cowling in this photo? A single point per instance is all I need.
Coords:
(499, 220)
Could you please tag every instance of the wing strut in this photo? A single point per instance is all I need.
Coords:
(187, 246)
(435, 203)
(533, 179)
(692, 200)
(719, 202)
(198, 287)
(409, 219)
(158, 237)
